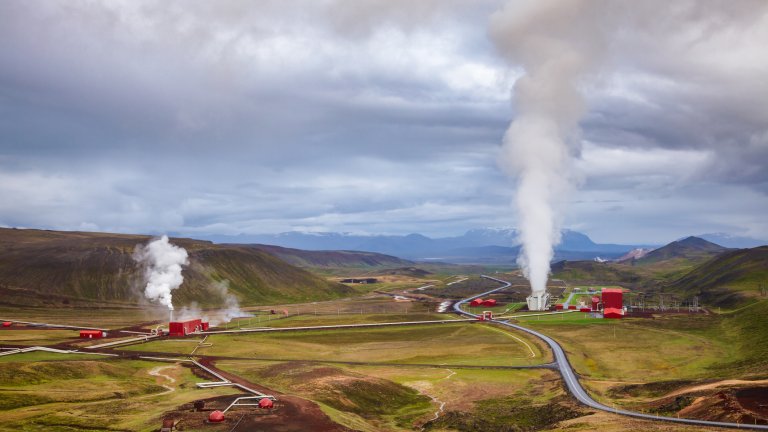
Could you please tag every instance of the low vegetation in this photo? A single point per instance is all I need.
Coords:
(61, 393)
(457, 344)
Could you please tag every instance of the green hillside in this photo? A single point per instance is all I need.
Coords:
(729, 280)
(74, 268)
(690, 249)
(333, 259)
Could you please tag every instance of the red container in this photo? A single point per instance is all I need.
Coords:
(571, 307)
(91, 334)
(559, 306)
(205, 326)
(7, 324)
(585, 309)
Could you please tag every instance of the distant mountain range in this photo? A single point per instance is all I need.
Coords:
(481, 246)
(732, 241)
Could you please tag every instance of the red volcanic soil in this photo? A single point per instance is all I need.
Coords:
(754, 399)
(290, 414)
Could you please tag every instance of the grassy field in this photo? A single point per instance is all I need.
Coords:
(400, 398)
(90, 317)
(665, 353)
(34, 337)
(333, 319)
(63, 393)
(460, 344)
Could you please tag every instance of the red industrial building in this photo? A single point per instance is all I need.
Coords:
(489, 302)
(183, 328)
(476, 302)
(92, 334)
(613, 298)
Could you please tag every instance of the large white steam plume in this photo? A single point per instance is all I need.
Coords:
(555, 42)
(162, 263)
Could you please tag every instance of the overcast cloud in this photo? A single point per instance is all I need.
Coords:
(227, 117)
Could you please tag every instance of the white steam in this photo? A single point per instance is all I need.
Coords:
(229, 311)
(162, 269)
(231, 305)
(555, 42)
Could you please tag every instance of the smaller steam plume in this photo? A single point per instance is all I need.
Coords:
(163, 263)
(230, 309)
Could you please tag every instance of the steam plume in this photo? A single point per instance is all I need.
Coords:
(555, 42)
(162, 262)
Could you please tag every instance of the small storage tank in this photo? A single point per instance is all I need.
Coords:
(266, 403)
(595, 303)
(216, 417)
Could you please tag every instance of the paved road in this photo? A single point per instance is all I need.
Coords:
(572, 381)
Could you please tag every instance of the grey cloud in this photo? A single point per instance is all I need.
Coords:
(233, 116)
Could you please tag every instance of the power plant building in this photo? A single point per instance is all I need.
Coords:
(613, 303)
(613, 298)
(538, 302)
(183, 328)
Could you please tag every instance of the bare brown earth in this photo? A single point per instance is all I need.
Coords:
(292, 414)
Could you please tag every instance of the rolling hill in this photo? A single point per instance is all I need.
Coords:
(732, 279)
(332, 259)
(687, 249)
(74, 268)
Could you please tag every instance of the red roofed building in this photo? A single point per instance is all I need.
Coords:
(613, 298)
(613, 313)
(476, 302)
(489, 302)
(183, 328)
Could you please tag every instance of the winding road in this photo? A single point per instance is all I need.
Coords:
(572, 381)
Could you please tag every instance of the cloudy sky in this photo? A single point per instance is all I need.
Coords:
(380, 117)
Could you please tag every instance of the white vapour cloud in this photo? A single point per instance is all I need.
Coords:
(555, 50)
(163, 264)
(230, 307)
